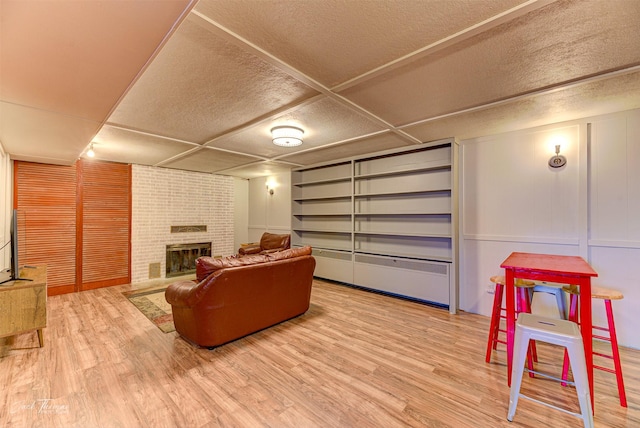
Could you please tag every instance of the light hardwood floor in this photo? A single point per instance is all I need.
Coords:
(355, 359)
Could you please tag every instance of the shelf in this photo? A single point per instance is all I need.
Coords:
(297, 229)
(400, 193)
(324, 181)
(343, 214)
(399, 214)
(409, 235)
(319, 198)
(401, 172)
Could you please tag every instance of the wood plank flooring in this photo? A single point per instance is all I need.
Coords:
(355, 359)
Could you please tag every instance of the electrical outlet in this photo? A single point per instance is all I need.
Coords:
(490, 289)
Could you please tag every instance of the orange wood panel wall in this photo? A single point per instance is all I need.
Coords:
(45, 196)
(77, 222)
(106, 223)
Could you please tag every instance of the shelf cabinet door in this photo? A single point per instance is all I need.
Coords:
(418, 279)
(333, 265)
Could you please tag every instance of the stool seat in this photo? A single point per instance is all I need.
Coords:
(558, 332)
(607, 295)
(519, 282)
(596, 292)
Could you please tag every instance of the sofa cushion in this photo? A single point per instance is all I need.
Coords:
(205, 266)
(272, 241)
(291, 252)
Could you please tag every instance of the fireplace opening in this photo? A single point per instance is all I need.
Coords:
(181, 258)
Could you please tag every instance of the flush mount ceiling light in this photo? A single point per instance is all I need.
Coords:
(287, 136)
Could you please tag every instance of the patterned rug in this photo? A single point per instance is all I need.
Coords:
(151, 302)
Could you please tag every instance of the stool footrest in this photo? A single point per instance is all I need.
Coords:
(548, 376)
(604, 369)
(544, 403)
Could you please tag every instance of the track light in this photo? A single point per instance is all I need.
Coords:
(90, 152)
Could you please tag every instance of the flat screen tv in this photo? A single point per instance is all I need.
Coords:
(15, 264)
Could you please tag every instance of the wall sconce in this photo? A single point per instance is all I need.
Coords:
(558, 160)
(90, 152)
(270, 186)
(287, 136)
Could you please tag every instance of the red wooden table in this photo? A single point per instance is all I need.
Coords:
(560, 269)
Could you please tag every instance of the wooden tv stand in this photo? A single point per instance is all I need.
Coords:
(23, 304)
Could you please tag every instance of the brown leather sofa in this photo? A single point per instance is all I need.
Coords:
(269, 243)
(233, 297)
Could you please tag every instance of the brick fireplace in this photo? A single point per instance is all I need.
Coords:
(163, 201)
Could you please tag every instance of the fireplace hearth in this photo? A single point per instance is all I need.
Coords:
(181, 258)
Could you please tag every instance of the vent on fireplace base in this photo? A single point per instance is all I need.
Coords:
(181, 258)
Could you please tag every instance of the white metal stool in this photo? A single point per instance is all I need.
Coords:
(558, 292)
(558, 332)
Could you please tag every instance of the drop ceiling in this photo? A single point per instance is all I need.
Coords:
(198, 85)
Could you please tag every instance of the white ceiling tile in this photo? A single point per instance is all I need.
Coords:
(40, 136)
(209, 160)
(78, 58)
(323, 121)
(556, 44)
(334, 40)
(580, 101)
(118, 145)
(200, 86)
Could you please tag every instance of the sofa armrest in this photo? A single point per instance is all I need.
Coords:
(250, 249)
(182, 293)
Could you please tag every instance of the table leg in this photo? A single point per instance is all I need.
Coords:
(41, 337)
(511, 320)
(586, 327)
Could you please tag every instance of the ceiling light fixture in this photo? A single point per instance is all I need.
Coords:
(287, 136)
(90, 152)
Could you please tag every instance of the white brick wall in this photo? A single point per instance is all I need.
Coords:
(162, 198)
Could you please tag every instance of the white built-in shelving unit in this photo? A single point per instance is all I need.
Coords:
(384, 221)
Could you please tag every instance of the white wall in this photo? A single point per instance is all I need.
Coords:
(5, 209)
(511, 200)
(269, 213)
(240, 211)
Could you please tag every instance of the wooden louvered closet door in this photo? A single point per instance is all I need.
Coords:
(45, 196)
(106, 223)
(77, 221)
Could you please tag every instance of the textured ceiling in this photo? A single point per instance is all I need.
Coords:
(198, 85)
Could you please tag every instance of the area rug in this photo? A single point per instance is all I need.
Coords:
(151, 302)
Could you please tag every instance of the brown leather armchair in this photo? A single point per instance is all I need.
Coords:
(269, 243)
